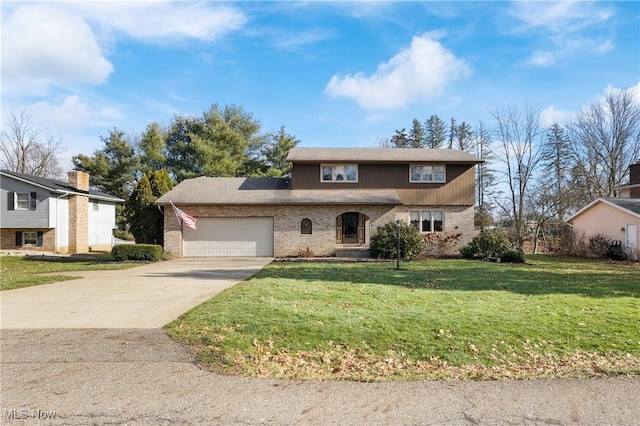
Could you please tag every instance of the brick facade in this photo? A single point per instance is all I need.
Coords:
(8, 239)
(288, 239)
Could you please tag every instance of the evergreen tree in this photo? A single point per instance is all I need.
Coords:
(464, 138)
(416, 136)
(275, 153)
(143, 218)
(556, 167)
(151, 148)
(434, 132)
(400, 139)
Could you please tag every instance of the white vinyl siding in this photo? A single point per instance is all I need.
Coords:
(102, 221)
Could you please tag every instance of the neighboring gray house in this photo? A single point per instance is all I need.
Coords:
(334, 200)
(52, 215)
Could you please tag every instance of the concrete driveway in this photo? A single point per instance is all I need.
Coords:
(147, 296)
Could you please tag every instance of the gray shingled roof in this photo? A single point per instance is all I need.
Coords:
(58, 186)
(248, 191)
(382, 155)
(631, 204)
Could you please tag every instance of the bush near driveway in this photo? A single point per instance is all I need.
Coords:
(152, 252)
(435, 319)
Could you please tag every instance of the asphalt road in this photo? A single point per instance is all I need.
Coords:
(63, 369)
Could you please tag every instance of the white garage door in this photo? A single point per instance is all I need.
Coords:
(247, 236)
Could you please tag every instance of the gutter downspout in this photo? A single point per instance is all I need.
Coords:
(57, 248)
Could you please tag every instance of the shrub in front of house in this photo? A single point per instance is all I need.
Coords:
(151, 252)
(384, 243)
(489, 243)
(599, 244)
(512, 256)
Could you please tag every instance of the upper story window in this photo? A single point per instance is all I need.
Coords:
(427, 173)
(339, 173)
(21, 200)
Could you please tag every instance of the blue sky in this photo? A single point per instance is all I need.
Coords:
(333, 73)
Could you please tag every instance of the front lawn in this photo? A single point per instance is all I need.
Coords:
(18, 272)
(436, 319)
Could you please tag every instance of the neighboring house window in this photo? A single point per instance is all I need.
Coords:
(306, 226)
(431, 173)
(339, 173)
(28, 238)
(427, 220)
(22, 200)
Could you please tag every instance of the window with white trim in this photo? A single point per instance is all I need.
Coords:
(29, 238)
(427, 173)
(23, 201)
(339, 173)
(427, 221)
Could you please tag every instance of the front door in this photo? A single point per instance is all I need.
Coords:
(350, 228)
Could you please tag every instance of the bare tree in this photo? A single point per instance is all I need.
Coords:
(485, 177)
(25, 148)
(519, 136)
(605, 140)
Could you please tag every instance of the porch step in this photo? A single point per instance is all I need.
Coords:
(354, 252)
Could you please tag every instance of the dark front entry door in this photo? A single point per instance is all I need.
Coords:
(350, 228)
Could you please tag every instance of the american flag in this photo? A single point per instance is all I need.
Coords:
(187, 220)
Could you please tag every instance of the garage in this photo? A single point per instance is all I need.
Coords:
(247, 236)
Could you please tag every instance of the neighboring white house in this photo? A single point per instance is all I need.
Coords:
(52, 215)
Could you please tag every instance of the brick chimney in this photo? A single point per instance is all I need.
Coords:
(634, 179)
(79, 213)
(79, 180)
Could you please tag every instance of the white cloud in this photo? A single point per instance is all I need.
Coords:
(566, 26)
(304, 38)
(550, 115)
(159, 22)
(72, 113)
(560, 16)
(44, 45)
(418, 72)
(63, 44)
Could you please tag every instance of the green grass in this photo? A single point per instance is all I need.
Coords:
(452, 319)
(18, 272)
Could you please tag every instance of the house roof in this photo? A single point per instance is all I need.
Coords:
(630, 205)
(58, 186)
(251, 191)
(382, 155)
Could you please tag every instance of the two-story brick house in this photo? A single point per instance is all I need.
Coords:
(335, 198)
